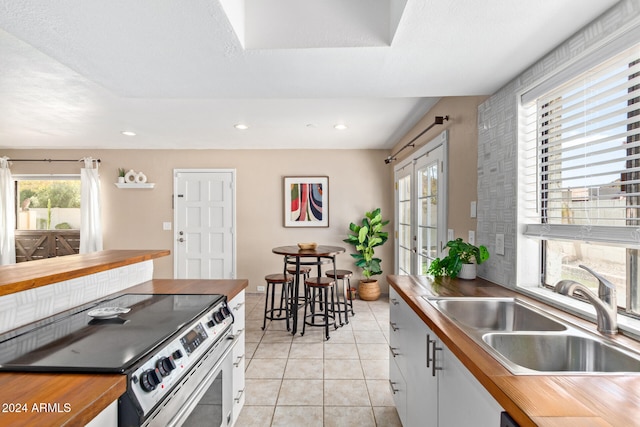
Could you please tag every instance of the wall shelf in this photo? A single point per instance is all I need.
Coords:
(131, 185)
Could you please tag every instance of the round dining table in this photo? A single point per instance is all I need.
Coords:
(315, 257)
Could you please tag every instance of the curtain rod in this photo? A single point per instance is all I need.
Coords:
(438, 121)
(48, 160)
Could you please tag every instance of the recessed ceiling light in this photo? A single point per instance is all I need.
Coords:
(128, 133)
(340, 126)
(312, 125)
(241, 126)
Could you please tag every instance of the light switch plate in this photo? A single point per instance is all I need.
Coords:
(166, 226)
(499, 244)
(449, 234)
(472, 237)
(474, 209)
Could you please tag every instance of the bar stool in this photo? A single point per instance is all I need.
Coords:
(304, 272)
(346, 304)
(269, 313)
(316, 291)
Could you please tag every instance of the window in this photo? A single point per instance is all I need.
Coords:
(47, 203)
(580, 174)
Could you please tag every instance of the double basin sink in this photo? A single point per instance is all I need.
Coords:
(527, 340)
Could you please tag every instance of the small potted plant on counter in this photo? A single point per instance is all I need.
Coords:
(461, 261)
(365, 237)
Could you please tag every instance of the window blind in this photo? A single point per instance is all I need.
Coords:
(582, 158)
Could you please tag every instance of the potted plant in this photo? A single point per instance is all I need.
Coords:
(120, 175)
(461, 261)
(365, 237)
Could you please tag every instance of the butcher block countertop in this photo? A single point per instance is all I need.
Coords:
(28, 399)
(532, 400)
(34, 274)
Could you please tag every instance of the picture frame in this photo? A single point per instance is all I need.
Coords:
(306, 201)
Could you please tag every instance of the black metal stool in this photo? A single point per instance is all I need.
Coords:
(304, 272)
(316, 291)
(346, 304)
(269, 313)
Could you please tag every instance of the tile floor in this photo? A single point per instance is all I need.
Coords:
(308, 381)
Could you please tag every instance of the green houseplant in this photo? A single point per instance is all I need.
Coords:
(461, 254)
(366, 237)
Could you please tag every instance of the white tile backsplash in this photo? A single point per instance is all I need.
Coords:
(29, 306)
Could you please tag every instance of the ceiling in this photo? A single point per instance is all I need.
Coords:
(75, 73)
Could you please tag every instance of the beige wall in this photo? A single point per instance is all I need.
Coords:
(463, 155)
(359, 181)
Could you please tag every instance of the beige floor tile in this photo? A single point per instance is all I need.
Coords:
(380, 393)
(373, 351)
(261, 392)
(250, 349)
(255, 416)
(308, 369)
(375, 369)
(310, 335)
(346, 393)
(297, 416)
(365, 325)
(312, 350)
(340, 351)
(301, 393)
(276, 336)
(370, 337)
(386, 416)
(253, 336)
(272, 350)
(348, 416)
(343, 369)
(342, 335)
(266, 368)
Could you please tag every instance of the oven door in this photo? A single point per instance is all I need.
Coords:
(204, 394)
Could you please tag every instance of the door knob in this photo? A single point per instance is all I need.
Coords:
(181, 239)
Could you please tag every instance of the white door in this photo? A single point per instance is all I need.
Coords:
(421, 191)
(204, 218)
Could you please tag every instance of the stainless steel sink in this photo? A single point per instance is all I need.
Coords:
(561, 353)
(496, 314)
(529, 341)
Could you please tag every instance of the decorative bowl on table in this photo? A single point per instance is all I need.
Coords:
(307, 246)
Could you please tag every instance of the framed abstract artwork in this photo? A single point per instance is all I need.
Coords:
(306, 201)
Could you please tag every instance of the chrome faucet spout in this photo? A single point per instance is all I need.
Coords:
(605, 302)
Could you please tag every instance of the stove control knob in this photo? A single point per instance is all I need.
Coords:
(211, 323)
(176, 355)
(225, 311)
(149, 379)
(218, 316)
(165, 365)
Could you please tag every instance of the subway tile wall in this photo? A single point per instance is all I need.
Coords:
(29, 306)
(498, 142)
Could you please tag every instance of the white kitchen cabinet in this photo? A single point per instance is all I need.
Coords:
(237, 307)
(435, 388)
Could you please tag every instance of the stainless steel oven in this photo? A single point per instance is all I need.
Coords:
(174, 349)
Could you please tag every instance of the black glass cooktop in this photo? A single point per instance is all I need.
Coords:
(83, 343)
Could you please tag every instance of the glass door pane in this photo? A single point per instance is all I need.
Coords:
(405, 225)
(427, 176)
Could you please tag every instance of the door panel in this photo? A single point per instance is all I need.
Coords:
(205, 224)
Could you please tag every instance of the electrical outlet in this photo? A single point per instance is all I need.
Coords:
(499, 244)
(260, 288)
(472, 237)
(449, 234)
(166, 226)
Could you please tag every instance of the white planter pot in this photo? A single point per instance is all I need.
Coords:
(468, 271)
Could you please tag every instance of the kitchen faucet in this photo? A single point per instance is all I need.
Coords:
(605, 302)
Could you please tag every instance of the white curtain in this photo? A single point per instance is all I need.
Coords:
(7, 215)
(90, 208)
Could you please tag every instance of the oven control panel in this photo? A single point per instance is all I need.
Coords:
(169, 364)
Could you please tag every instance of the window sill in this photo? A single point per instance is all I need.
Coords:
(627, 325)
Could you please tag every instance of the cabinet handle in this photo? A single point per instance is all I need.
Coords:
(393, 326)
(428, 344)
(237, 362)
(240, 393)
(393, 353)
(393, 390)
(433, 359)
(238, 306)
(394, 301)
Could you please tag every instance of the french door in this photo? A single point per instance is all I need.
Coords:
(421, 201)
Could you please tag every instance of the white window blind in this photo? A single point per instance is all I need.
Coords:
(582, 174)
